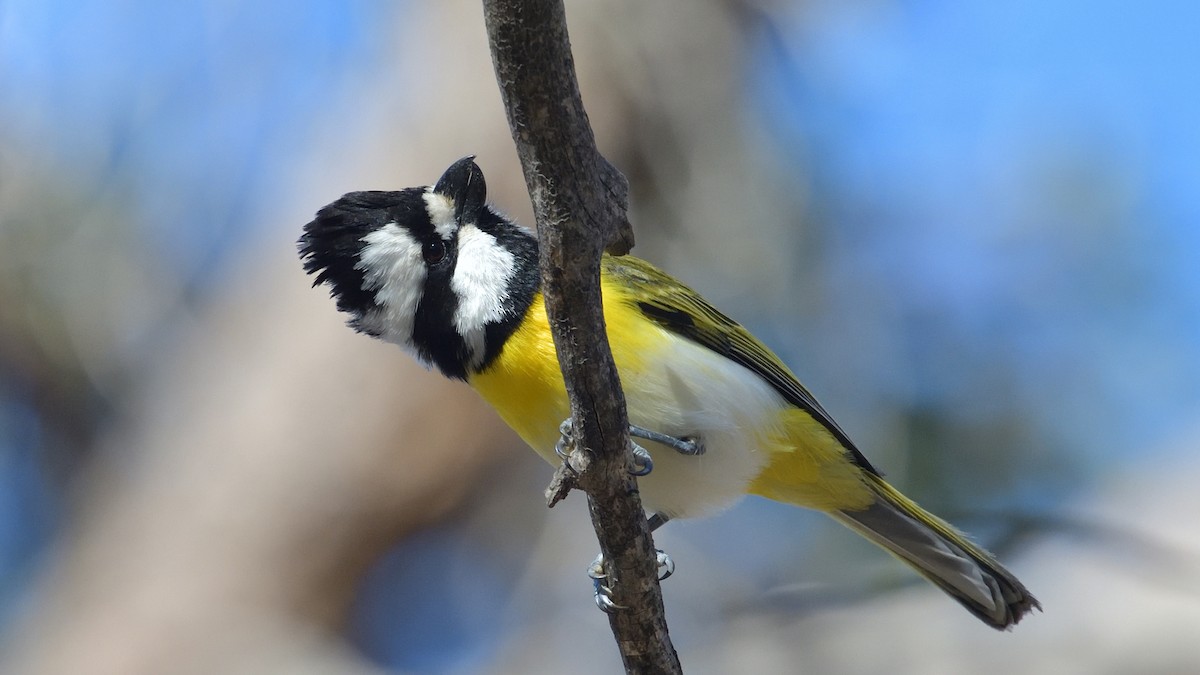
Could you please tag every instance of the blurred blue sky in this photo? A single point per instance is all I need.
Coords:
(198, 107)
(1018, 180)
(1021, 175)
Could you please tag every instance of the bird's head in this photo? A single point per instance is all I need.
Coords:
(432, 269)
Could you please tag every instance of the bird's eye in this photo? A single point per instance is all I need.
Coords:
(434, 251)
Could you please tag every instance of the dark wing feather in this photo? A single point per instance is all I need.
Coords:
(679, 309)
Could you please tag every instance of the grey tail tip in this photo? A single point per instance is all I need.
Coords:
(1009, 600)
(1018, 608)
(1009, 603)
(945, 557)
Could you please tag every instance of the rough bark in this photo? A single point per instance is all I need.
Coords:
(579, 203)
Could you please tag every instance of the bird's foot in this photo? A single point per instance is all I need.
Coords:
(603, 593)
(642, 463)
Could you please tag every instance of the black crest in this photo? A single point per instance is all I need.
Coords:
(332, 242)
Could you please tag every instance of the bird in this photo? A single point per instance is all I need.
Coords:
(449, 278)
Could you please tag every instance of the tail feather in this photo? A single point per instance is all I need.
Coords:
(941, 554)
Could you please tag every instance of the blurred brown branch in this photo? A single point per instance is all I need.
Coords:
(579, 203)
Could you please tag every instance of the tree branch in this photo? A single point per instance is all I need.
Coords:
(579, 202)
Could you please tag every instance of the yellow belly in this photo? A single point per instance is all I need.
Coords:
(756, 442)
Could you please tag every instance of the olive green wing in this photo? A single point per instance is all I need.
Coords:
(679, 309)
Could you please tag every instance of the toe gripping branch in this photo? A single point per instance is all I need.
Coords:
(643, 464)
(602, 593)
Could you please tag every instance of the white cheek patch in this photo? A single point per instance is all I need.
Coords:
(392, 267)
(441, 213)
(481, 279)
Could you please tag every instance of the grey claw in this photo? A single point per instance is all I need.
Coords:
(603, 597)
(666, 566)
(642, 463)
(601, 594)
(566, 440)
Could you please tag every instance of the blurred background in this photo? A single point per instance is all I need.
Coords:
(971, 228)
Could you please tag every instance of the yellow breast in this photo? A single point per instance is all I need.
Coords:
(524, 383)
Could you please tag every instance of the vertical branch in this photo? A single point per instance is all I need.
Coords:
(579, 201)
